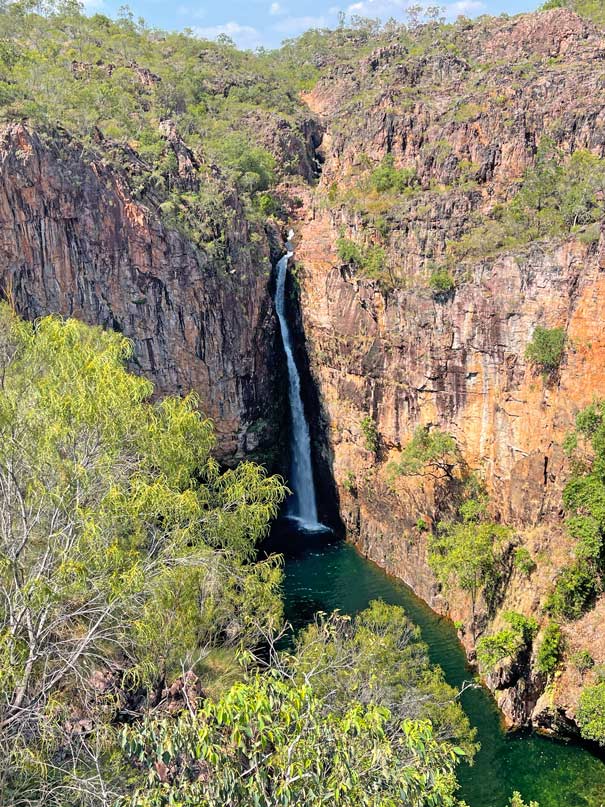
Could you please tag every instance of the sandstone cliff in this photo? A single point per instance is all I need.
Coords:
(73, 241)
(407, 356)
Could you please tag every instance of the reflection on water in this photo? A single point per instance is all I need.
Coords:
(322, 574)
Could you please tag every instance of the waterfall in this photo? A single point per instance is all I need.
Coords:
(303, 505)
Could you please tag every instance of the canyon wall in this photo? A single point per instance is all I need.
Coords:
(464, 115)
(74, 242)
(407, 356)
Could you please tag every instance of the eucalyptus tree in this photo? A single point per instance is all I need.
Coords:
(126, 554)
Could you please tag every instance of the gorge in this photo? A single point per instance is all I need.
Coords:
(376, 257)
(322, 574)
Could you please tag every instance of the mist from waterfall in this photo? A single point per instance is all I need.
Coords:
(303, 503)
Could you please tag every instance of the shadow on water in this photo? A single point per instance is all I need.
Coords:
(323, 573)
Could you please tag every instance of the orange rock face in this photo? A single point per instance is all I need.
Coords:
(408, 357)
(74, 242)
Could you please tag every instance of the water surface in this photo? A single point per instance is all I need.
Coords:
(322, 574)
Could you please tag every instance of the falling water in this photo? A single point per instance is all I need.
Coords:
(303, 505)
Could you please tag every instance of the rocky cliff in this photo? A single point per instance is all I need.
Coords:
(454, 117)
(74, 241)
(406, 355)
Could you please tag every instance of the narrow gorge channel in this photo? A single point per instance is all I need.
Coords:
(324, 573)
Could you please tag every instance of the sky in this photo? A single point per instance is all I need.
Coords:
(256, 23)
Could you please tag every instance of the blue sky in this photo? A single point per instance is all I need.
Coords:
(251, 23)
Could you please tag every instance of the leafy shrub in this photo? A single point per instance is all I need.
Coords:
(584, 499)
(492, 649)
(430, 452)
(467, 111)
(507, 642)
(523, 561)
(349, 482)
(369, 261)
(592, 9)
(591, 713)
(556, 197)
(550, 650)
(525, 626)
(386, 178)
(466, 554)
(575, 588)
(441, 281)
(370, 434)
(268, 204)
(349, 252)
(546, 348)
(263, 731)
(582, 661)
(517, 801)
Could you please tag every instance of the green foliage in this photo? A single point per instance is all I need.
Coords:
(441, 281)
(268, 204)
(546, 348)
(349, 482)
(378, 656)
(550, 650)
(369, 262)
(123, 545)
(508, 642)
(523, 561)
(466, 112)
(582, 661)
(591, 713)
(252, 167)
(355, 715)
(184, 118)
(525, 626)
(578, 585)
(388, 179)
(349, 252)
(591, 9)
(575, 589)
(555, 198)
(466, 553)
(517, 801)
(370, 433)
(430, 452)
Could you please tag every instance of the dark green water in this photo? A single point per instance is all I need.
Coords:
(322, 574)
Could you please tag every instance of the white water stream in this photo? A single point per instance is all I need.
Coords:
(303, 504)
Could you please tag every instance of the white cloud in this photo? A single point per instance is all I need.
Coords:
(292, 26)
(192, 13)
(377, 8)
(275, 9)
(467, 7)
(93, 5)
(244, 36)
(395, 8)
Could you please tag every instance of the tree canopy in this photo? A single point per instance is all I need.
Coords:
(124, 550)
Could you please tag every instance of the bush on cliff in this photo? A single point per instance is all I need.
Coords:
(557, 196)
(508, 642)
(592, 9)
(386, 178)
(578, 585)
(591, 713)
(442, 281)
(369, 261)
(550, 650)
(467, 554)
(546, 348)
(430, 452)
